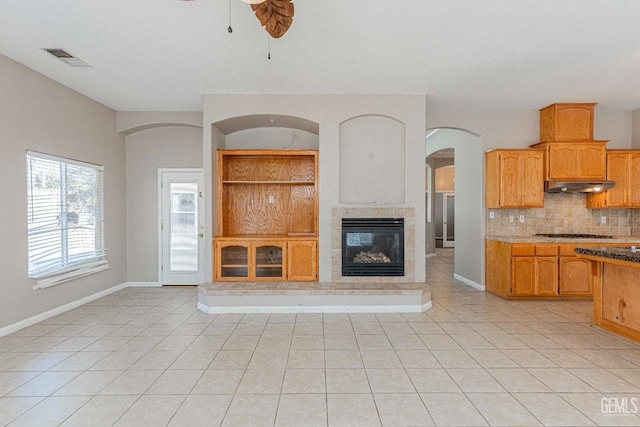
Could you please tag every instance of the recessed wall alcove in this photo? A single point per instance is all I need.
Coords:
(372, 160)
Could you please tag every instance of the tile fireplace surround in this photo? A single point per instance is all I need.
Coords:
(372, 212)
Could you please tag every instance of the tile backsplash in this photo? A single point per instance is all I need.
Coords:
(563, 213)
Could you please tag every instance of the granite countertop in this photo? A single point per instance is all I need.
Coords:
(540, 239)
(613, 252)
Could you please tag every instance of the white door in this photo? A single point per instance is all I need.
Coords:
(181, 227)
(448, 229)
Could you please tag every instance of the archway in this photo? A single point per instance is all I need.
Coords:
(465, 148)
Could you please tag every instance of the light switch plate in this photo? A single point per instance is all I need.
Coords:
(603, 219)
(271, 199)
(492, 215)
(521, 218)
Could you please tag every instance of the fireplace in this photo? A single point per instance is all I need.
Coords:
(373, 246)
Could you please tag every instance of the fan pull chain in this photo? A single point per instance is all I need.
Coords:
(230, 29)
(269, 35)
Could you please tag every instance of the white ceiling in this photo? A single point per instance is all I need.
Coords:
(163, 55)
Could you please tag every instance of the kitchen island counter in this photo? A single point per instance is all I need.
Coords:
(619, 253)
(616, 288)
(540, 239)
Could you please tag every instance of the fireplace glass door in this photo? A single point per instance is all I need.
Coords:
(373, 247)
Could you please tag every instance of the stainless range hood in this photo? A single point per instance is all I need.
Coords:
(577, 186)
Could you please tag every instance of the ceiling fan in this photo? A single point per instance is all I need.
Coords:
(276, 16)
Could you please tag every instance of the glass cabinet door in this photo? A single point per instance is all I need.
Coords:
(233, 261)
(269, 260)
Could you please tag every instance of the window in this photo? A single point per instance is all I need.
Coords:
(65, 219)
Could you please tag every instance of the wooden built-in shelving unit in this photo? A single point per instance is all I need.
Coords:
(267, 215)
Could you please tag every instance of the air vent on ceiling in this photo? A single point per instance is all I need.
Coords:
(66, 57)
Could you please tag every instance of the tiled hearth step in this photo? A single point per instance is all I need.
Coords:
(313, 297)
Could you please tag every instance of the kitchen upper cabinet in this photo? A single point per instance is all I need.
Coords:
(514, 178)
(570, 160)
(566, 135)
(623, 167)
(567, 122)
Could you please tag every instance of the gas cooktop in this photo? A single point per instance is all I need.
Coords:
(574, 236)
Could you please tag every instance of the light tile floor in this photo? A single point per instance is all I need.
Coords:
(147, 357)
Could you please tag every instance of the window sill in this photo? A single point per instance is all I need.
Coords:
(85, 270)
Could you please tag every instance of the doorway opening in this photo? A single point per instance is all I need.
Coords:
(462, 149)
(445, 219)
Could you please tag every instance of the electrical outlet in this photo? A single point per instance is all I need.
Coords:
(271, 199)
(492, 215)
(603, 219)
(521, 218)
(511, 218)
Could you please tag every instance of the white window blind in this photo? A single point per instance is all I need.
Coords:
(65, 211)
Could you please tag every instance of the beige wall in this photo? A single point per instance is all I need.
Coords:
(38, 114)
(146, 151)
(272, 138)
(329, 111)
(635, 129)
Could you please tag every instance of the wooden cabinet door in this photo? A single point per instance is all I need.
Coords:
(232, 261)
(563, 161)
(546, 269)
(618, 171)
(510, 181)
(302, 264)
(269, 260)
(592, 161)
(575, 276)
(532, 178)
(634, 179)
(523, 276)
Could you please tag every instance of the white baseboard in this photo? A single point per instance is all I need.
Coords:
(143, 285)
(469, 282)
(59, 310)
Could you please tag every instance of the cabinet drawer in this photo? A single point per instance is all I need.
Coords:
(522, 250)
(567, 250)
(546, 250)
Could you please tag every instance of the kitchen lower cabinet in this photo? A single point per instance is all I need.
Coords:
(534, 275)
(546, 276)
(538, 270)
(523, 276)
(575, 276)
